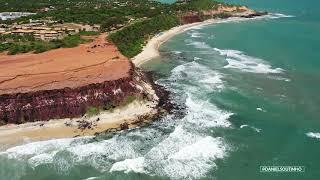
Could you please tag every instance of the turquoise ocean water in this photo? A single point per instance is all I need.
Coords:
(251, 95)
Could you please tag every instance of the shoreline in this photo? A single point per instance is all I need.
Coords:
(133, 115)
(151, 49)
(119, 119)
(129, 116)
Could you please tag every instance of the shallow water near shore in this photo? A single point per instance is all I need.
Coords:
(250, 92)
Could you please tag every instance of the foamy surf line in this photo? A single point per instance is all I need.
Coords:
(239, 19)
(181, 154)
(151, 50)
(314, 135)
(186, 152)
(239, 60)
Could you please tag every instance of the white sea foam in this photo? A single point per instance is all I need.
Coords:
(195, 160)
(252, 127)
(212, 36)
(136, 165)
(215, 149)
(97, 153)
(45, 158)
(185, 153)
(158, 154)
(176, 140)
(197, 27)
(315, 135)
(91, 178)
(265, 17)
(243, 126)
(205, 114)
(177, 52)
(257, 129)
(201, 112)
(182, 154)
(36, 148)
(199, 45)
(204, 77)
(239, 60)
(239, 19)
(281, 78)
(195, 34)
(196, 58)
(260, 109)
(279, 15)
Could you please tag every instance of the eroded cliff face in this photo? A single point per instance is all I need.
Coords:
(220, 12)
(71, 102)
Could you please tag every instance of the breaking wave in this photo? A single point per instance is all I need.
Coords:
(197, 76)
(240, 19)
(279, 15)
(182, 154)
(251, 127)
(174, 148)
(195, 34)
(315, 135)
(241, 61)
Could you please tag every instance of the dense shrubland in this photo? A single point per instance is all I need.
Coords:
(15, 44)
(130, 39)
(134, 21)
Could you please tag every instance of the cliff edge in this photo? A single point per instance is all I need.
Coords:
(65, 83)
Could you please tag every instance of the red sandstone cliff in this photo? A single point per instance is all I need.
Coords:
(220, 12)
(63, 83)
(70, 102)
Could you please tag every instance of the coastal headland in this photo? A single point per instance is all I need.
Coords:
(72, 85)
(151, 49)
(94, 87)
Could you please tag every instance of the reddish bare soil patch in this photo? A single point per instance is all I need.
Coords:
(90, 63)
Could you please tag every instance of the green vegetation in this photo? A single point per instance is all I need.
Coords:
(95, 110)
(130, 99)
(130, 39)
(81, 11)
(112, 23)
(23, 44)
(107, 13)
(195, 5)
(92, 111)
(10, 37)
(132, 22)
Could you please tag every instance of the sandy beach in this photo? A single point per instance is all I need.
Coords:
(19, 134)
(115, 120)
(151, 50)
(63, 128)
